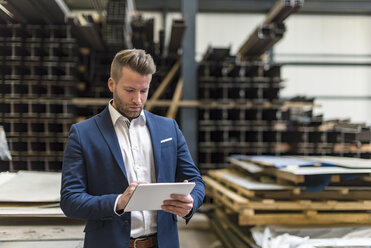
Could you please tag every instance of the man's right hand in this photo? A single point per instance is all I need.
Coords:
(124, 198)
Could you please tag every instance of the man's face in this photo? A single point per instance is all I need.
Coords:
(130, 92)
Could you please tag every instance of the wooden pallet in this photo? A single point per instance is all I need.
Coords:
(228, 231)
(286, 175)
(309, 218)
(289, 192)
(298, 212)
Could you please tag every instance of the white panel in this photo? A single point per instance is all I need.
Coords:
(326, 34)
(317, 34)
(326, 80)
(357, 110)
(223, 30)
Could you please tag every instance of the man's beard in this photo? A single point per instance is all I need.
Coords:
(124, 108)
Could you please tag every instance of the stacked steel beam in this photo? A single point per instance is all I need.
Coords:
(248, 117)
(117, 30)
(177, 31)
(35, 11)
(38, 74)
(262, 39)
(252, 125)
(245, 126)
(270, 31)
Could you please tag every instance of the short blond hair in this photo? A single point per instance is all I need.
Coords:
(136, 59)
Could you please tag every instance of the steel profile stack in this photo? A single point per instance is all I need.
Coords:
(253, 87)
(143, 31)
(117, 30)
(246, 115)
(49, 12)
(252, 124)
(270, 31)
(38, 77)
(177, 30)
(262, 39)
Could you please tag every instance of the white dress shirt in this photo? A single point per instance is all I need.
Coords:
(136, 149)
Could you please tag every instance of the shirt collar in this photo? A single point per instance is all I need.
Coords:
(116, 115)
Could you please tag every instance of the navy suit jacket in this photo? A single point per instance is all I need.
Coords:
(93, 175)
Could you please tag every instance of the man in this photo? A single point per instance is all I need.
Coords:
(108, 155)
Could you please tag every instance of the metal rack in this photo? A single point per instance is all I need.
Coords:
(39, 75)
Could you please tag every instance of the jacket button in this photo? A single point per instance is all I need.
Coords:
(125, 222)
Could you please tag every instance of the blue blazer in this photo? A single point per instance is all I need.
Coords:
(93, 175)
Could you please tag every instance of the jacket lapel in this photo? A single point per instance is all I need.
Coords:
(105, 126)
(154, 130)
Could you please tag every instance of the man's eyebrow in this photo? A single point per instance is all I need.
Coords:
(132, 88)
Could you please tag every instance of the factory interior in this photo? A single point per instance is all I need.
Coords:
(273, 98)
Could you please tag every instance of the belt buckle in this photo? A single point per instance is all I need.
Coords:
(138, 239)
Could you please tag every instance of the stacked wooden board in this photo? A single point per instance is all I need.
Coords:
(30, 215)
(262, 190)
(30, 194)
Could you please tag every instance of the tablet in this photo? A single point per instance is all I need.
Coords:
(152, 195)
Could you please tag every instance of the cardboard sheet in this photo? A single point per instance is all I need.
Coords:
(251, 184)
(323, 170)
(354, 163)
(279, 162)
(31, 186)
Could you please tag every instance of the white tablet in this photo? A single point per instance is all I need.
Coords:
(152, 195)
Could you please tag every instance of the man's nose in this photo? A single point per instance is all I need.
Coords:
(137, 99)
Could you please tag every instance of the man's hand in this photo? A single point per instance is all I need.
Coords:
(181, 205)
(124, 198)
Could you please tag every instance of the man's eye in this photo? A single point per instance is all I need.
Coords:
(143, 91)
(130, 91)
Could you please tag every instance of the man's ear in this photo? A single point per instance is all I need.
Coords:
(111, 84)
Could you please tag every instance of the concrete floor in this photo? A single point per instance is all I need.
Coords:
(196, 234)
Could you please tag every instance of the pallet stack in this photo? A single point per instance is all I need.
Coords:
(256, 192)
(38, 75)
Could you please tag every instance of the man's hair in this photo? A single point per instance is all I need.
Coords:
(135, 59)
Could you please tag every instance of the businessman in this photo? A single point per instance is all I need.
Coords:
(108, 155)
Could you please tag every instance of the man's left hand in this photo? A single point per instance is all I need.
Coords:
(180, 205)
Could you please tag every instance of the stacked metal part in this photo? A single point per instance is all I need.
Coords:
(243, 114)
(240, 110)
(87, 32)
(262, 39)
(143, 32)
(270, 31)
(117, 30)
(177, 30)
(38, 77)
(34, 11)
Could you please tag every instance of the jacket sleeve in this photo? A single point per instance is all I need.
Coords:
(187, 170)
(76, 202)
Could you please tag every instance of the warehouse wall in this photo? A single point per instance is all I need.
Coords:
(309, 38)
(329, 38)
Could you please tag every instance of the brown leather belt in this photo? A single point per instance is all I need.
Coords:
(144, 242)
